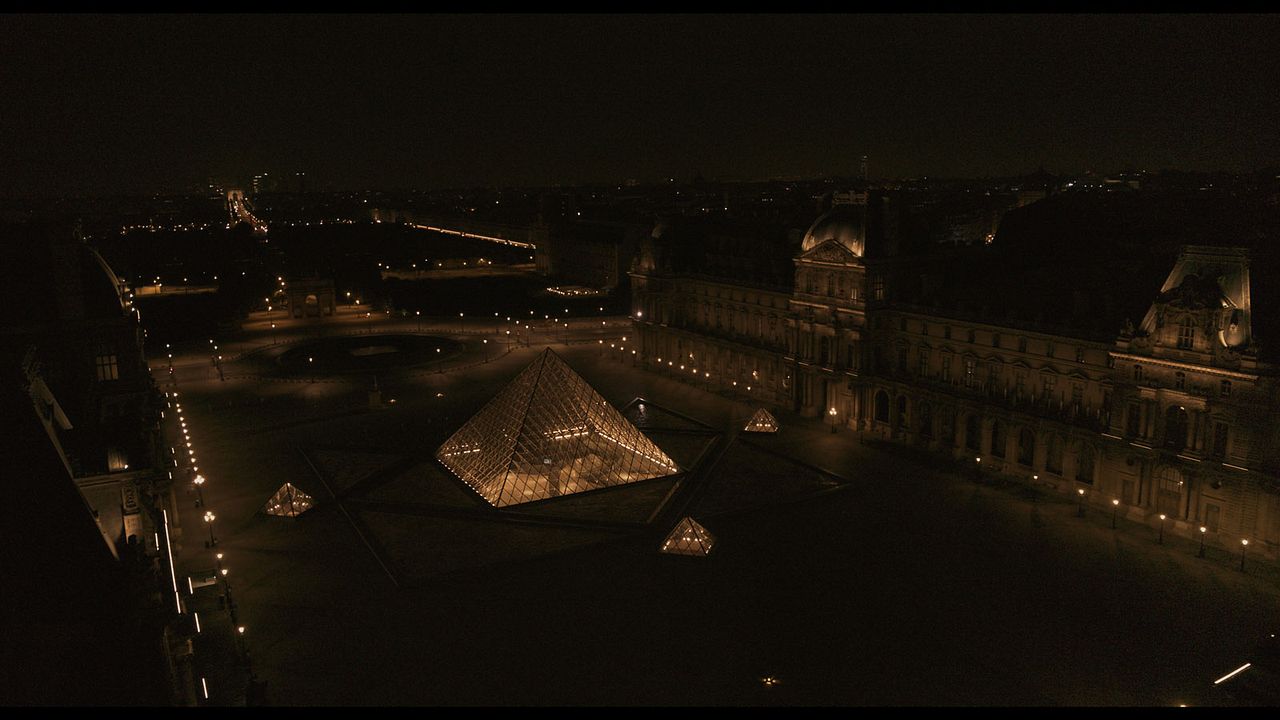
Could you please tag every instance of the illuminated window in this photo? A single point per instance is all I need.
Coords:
(1186, 333)
(970, 372)
(108, 369)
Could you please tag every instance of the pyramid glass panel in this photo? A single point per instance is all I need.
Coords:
(762, 421)
(688, 538)
(289, 501)
(546, 434)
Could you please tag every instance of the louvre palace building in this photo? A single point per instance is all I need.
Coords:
(1133, 372)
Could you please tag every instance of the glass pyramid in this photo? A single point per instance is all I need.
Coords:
(762, 421)
(289, 501)
(688, 538)
(546, 434)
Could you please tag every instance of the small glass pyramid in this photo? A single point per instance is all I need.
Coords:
(762, 421)
(546, 434)
(289, 501)
(688, 538)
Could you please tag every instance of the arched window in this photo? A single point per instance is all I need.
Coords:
(1084, 464)
(1026, 447)
(1169, 491)
(903, 417)
(973, 433)
(882, 406)
(998, 439)
(1053, 455)
(1175, 427)
(926, 420)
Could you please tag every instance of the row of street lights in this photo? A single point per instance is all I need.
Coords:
(198, 481)
(1204, 530)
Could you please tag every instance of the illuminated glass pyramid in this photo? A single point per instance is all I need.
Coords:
(547, 434)
(688, 538)
(762, 421)
(289, 501)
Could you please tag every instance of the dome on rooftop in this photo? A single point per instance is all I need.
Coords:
(845, 224)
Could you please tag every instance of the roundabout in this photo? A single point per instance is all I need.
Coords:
(365, 353)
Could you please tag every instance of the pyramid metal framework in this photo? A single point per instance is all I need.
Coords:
(289, 501)
(546, 434)
(688, 538)
(762, 421)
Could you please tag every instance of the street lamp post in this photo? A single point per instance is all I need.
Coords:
(209, 517)
(1160, 540)
(1244, 545)
(1203, 530)
(273, 333)
(462, 323)
(418, 314)
(311, 364)
(486, 349)
(1080, 502)
(199, 482)
(832, 414)
(1115, 505)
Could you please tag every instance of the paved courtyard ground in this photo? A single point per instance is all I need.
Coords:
(851, 572)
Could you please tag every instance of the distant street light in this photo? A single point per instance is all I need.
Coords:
(209, 517)
(1115, 505)
(198, 482)
(1160, 540)
(1244, 545)
(832, 414)
(1203, 530)
(273, 333)
(1080, 502)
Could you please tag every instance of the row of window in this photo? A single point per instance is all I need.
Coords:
(999, 446)
(971, 337)
(1180, 380)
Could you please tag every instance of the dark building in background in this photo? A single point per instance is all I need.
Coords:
(74, 335)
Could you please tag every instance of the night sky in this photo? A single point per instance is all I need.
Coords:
(106, 104)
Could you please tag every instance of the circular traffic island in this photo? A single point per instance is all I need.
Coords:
(365, 353)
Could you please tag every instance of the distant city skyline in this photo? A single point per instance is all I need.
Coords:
(123, 104)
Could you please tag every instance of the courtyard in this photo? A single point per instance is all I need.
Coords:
(844, 571)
